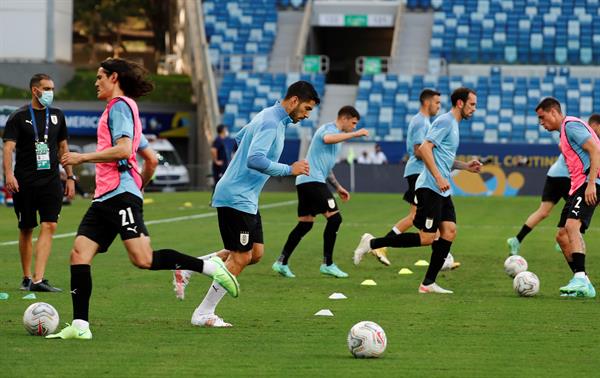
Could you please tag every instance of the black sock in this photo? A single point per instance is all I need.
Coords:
(391, 233)
(169, 259)
(406, 240)
(571, 265)
(524, 231)
(439, 251)
(578, 262)
(293, 240)
(329, 236)
(81, 290)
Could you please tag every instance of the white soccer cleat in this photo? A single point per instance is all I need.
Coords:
(433, 288)
(181, 278)
(209, 321)
(363, 248)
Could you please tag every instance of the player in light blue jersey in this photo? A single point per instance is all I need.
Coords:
(435, 210)
(417, 129)
(557, 185)
(314, 197)
(260, 144)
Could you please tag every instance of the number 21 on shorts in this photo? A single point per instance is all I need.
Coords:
(126, 216)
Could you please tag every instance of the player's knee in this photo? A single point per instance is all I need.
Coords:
(427, 238)
(257, 254)
(48, 226)
(242, 259)
(449, 234)
(334, 221)
(304, 227)
(142, 262)
(572, 227)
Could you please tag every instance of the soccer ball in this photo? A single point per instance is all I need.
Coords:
(526, 284)
(366, 340)
(514, 265)
(40, 319)
(448, 262)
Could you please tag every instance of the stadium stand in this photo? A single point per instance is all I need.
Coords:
(506, 105)
(240, 33)
(515, 31)
(243, 94)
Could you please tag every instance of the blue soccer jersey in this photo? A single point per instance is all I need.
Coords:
(321, 156)
(444, 134)
(417, 129)
(559, 168)
(260, 144)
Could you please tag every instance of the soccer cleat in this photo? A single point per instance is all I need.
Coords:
(577, 287)
(513, 245)
(381, 254)
(225, 278)
(332, 270)
(363, 248)
(455, 265)
(209, 321)
(181, 278)
(433, 288)
(25, 284)
(557, 248)
(591, 291)
(72, 332)
(284, 270)
(44, 285)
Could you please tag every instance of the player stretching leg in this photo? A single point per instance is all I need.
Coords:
(435, 210)
(313, 195)
(236, 195)
(556, 187)
(118, 206)
(581, 148)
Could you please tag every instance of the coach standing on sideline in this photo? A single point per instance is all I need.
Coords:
(38, 133)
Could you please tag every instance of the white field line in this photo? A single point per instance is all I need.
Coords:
(166, 220)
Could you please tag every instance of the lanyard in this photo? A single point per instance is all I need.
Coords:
(33, 123)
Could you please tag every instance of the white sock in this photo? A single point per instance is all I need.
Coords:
(580, 275)
(211, 300)
(396, 231)
(81, 324)
(208, 257)
(209, 268)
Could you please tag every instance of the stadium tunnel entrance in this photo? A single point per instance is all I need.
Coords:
(344, 44)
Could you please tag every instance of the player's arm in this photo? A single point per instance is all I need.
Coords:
(426, 151)
(332, 180)
(257, 155)
(121, 150)
(341, 137)
(150, 164)
(63, 147)
(11, 182)
(471, 166)
(594, 152)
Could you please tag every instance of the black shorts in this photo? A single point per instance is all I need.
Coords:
(576, 208)
(409, 195)
(122, 214)
(556, 188)
(47, 200)
(432, 209)
(239, 230)
(315, 198)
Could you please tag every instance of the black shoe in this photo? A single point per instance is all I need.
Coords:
(43, 286)
(25, 284)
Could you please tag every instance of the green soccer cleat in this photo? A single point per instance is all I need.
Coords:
(591, 291)
(284, 270)
(557, 248)
(332, 270)
(225, 278)
(513, 245)
(577, 287)
(72, 332)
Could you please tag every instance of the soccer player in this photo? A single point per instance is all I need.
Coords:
(435, 210)
(558, 183)
(314, 197)
(117, 207)
(260, 144)
(581, 148)
(417, 129)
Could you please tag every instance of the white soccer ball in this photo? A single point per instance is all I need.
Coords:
(448, 262)
(526, 284)
(366, 340)
(514, 265)
(40, 319)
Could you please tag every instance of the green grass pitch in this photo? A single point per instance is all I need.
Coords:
(484, 329)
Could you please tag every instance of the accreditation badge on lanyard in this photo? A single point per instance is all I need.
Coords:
(42, 152)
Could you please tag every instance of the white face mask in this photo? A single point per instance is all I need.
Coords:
(46, 98)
